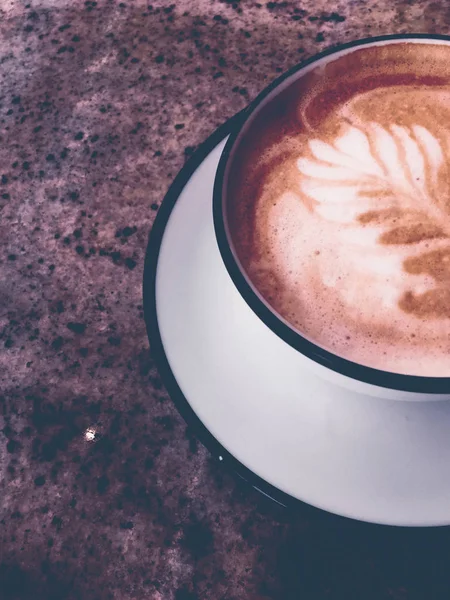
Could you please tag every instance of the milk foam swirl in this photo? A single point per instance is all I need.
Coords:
(344, 178)
(368, 171)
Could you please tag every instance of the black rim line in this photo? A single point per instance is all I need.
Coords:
(366, 374)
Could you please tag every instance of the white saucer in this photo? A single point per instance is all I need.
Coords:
(231, 378)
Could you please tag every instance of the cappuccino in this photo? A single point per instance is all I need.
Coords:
(338, 205)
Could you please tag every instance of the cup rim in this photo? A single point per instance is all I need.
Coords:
(249, 292)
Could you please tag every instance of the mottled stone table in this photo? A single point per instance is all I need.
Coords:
(104, 492)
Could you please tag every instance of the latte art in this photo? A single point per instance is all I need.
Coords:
(373, 170)
(342, 221)
(383, 185)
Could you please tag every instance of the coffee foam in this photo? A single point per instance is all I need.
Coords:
(341, 208)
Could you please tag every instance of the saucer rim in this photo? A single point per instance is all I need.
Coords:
(158, 353)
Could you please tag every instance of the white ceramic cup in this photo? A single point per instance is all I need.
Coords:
(337, 371)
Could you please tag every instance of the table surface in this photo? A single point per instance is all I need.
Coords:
(104, 491)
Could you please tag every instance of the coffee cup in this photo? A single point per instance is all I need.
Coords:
(332, 214)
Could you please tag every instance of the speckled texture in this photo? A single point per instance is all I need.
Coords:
(100, 104)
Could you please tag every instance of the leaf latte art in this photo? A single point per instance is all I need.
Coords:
(383, 185)
(340, 210)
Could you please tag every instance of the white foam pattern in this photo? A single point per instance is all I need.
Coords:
(365, 170)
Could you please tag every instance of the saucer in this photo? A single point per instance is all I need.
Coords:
(254, 405)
